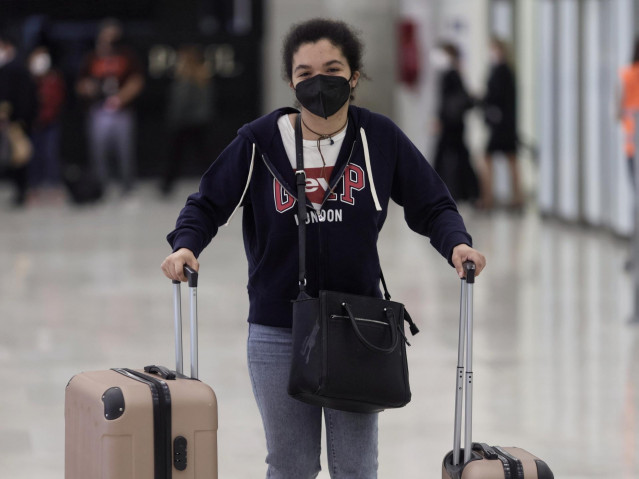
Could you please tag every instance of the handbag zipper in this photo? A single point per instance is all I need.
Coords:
(381, 323)
(335, 316)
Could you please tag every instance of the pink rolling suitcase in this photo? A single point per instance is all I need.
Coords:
(143, 424)
(480, 461)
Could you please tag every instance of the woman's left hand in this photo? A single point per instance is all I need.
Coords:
(463, 252)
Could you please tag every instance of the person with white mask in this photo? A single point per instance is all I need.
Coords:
(44, 171)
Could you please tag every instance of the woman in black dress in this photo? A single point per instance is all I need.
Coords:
(452, 158)
(500, 113)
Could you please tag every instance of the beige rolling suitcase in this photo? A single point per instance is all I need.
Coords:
(480, 461)
(143, 424)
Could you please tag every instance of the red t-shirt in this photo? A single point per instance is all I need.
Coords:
(51, 96)
(630, 104)
(111, 71)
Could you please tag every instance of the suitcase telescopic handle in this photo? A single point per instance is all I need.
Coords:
(464, 372)
(192, 278)
(469, 269)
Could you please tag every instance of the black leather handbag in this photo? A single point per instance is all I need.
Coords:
(349, 351)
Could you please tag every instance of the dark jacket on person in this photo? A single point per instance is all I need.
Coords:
(454, 102)
(17, 89)
(376, 163)
(500, 109)
(452, 157)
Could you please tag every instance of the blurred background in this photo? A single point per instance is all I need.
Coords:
(82, 231)
(566, 56)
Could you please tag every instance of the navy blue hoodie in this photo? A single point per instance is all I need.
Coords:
(376, 163)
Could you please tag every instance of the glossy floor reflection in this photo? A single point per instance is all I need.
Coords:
(556, 362)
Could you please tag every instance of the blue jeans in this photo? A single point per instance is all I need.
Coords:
(44, 168)
(293, 429)
(112, 131)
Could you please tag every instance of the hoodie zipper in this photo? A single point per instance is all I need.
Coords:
(276, 178)
(319, 225)
(348, 162)
(319, 229)
(330, 192)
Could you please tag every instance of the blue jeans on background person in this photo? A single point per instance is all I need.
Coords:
(44, 168)
(112, 131)
(293, 429)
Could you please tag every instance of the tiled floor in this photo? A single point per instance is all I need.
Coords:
(556, 362)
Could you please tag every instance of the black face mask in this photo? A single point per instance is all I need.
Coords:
(323, 95)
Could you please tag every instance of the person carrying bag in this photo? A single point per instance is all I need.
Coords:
(355, 162)
(15, 146)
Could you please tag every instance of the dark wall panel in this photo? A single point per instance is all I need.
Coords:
(154, 29)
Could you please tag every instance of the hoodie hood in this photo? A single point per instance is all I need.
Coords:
(265, 135)
(264, 131)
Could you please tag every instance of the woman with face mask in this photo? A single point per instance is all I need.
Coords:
(355, 162)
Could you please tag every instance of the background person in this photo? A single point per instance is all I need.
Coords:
(356, 161)
(189, 111)
(500, 114)
(18, 102)
(44, 171)
(110, 80)
(629, 106)
(452, 158)
(628, 110)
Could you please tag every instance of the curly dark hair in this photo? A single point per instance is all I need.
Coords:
(338, 33)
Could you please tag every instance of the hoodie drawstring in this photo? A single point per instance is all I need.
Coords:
(367, 159)
(248, 181)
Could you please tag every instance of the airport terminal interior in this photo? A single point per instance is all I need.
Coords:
(556, 360)
(556, 337)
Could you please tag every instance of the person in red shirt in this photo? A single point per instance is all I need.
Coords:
(629, 105)
(628, 111)
(110, 80)
(51, 92)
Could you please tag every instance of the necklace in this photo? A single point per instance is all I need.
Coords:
(320, 137)
(323, 136)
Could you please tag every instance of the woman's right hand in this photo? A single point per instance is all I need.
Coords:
(173, 265)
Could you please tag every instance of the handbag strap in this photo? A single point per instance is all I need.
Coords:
(300, 181)
(387, 295)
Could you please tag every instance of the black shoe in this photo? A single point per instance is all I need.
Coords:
(19, 200)
(166, 188)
